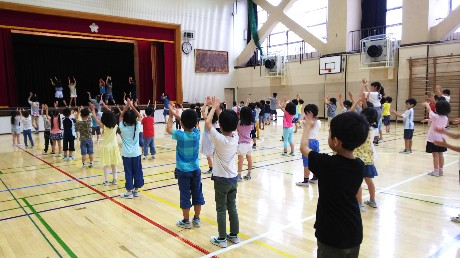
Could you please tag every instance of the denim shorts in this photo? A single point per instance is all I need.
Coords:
(190, 186)
(86, 147)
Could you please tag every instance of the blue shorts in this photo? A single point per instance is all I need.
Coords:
(141, 139)
(86, 147)
(266, 115)
(190, 186)
(313, 144)
(294, 120)
(166, 112)
(408, 133)
(386, 120)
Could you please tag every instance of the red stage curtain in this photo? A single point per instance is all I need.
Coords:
(160, 70)
(7, 81)
(145, 71)
(170, 70)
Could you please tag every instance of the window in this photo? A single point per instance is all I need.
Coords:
(394, 18)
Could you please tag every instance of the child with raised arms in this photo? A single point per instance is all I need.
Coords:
(187, 170)
(310, 114)
(110, 153)
(225, 175)
(130, 126)
(341, 176)
(86, 139)
(438, 122)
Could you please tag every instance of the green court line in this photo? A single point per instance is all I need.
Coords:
(35, 224)
(50, 230)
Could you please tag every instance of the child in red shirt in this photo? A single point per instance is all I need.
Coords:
(149, 133)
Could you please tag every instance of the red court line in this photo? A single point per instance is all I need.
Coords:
(186, 241)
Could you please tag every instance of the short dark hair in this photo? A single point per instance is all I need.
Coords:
(275, 94)
(228, 120)
(246, 117)
(189, 118)
(439, 98)
(149, 111)
(290, 108)
(262, 102)
(252, 106)
(258, 104)
(295, 102)
(333, 100)
(192, 106)
(446, 91)
(234, 103)
(84, 112)
(25, 113)
(347, 103)
(108, 119)
(301, 101)
(369, 104)
(312, 108)
(389, 99)
(371, 116)
(267, 102)
(350, 128)
(442, 108)
(66, 112)
(411, 101)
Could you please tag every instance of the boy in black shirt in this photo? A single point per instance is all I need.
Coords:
(339, 228)
(69, 135)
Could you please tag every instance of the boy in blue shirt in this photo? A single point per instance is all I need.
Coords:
(187, 171)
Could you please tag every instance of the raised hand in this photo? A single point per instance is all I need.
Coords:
(364, 81)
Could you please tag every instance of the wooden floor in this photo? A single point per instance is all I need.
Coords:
(52, 208)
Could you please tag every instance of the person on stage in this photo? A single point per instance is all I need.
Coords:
(132, 87)
(58, 91)
(73, 91)
(108, 90)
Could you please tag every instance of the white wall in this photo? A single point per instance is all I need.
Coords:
(212, 21)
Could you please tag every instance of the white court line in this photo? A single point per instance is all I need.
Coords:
(295, 223)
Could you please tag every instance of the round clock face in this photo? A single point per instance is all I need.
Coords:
(186, 47)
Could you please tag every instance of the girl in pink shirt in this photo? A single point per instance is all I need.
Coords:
(244, 129)
(289, 110)
(438, 121)
(56, 133)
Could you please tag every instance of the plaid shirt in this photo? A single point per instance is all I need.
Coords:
(187, 149)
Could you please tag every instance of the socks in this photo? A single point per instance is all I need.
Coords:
(249, 173)
(221, 238)
(305, 179)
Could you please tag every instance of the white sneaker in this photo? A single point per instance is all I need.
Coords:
(114, 182)
(302, 183)
(362, 208)
(136, 193)
(144, 158)
(233, 239)
(221, 243)
(153, 157)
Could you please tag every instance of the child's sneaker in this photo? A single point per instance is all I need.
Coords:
(208, 172)
(196, 222)
(144, 158)
(292, 154)
(284, 154)
(455, 219)
(373, 204)
(314, 180)
(60, 154)
(434, 173)
(53, 154)
(233, 239)
(254, 146)
(361, 207)
(441, 172)
(64, 158)
(240, 179)
(91, 165)
(128, 195)
(136, 193)
(71, 158)
(114, 182)
(405, 152)
(106, 183)
(247, 177)
(83, 166)
(44, 153)
(303, 183)
(153, 157)
(182, 224)
(216, 241)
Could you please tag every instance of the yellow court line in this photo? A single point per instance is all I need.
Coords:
(269, 247)
(215, 224)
